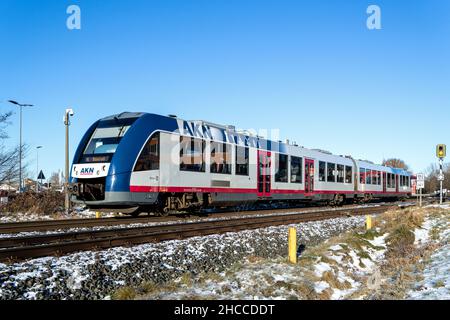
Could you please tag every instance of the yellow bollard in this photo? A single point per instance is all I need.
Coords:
(292, 241)
(368, 222)
(98, 215)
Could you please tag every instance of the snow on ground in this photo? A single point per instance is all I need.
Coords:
(93, 275)
(77, 214)
(276, 279)
(91, 214)
(436, 276)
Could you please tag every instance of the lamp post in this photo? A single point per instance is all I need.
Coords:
(20, 143)
(37, 167)
(69, 113)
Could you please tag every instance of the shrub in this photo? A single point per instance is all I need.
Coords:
(47, 202)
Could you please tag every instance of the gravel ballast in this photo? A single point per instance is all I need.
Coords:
(94, 275)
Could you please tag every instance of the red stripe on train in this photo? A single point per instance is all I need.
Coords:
(245, 190)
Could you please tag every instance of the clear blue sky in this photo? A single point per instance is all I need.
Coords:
(309, 68)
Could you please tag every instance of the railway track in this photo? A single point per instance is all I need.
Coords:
(47, 225)
(25, 247)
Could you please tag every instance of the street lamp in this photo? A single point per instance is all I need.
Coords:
(69, 113)
(37, 167)
(20, 146)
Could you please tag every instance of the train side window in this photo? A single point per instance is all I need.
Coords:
(331, 167)
(408, 181)
(281, 167)
(192, 154)
(296, 169)
(348, 174)
(374, 177)
(368, 176)
(389, 180)
(379, 177)
(220, 158)
(362, 175)
(322, 171)
(242, 161)
(340, 173)
(149, 157)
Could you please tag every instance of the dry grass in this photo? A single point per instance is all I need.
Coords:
(47, 202)
(400, 269)
(124, 293)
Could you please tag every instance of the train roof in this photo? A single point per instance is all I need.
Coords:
(270, 144)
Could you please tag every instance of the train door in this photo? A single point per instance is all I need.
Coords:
(309, 176)
(264, 168)
(384, 181)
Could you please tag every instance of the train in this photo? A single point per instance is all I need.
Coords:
(136, 162)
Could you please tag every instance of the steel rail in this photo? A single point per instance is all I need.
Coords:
(63, 243)
(46, 225)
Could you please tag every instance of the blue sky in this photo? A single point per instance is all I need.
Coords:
(308, 68)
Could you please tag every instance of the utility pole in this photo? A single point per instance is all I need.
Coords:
(37, 167)
(20, 140)
(69, 113)
(441, 175)
(440, 153)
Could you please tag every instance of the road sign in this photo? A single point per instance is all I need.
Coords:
(420, 184)
(41, 176)
(440, 177)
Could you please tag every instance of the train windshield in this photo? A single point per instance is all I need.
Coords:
(105, 139)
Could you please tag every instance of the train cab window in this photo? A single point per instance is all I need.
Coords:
(149, 157)
(362, 175)
(348, 174)
(105, 139)
(321, 171)
(340, 173)
(296, 169)
(192, 154)
(220, 158)
(281, 167)
(242, 161)
(331, 167)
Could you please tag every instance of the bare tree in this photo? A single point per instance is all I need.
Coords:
(55, 179)
(431, 175)
(9, 164)
(395, 163)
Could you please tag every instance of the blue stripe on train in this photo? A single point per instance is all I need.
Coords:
(119, 175)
